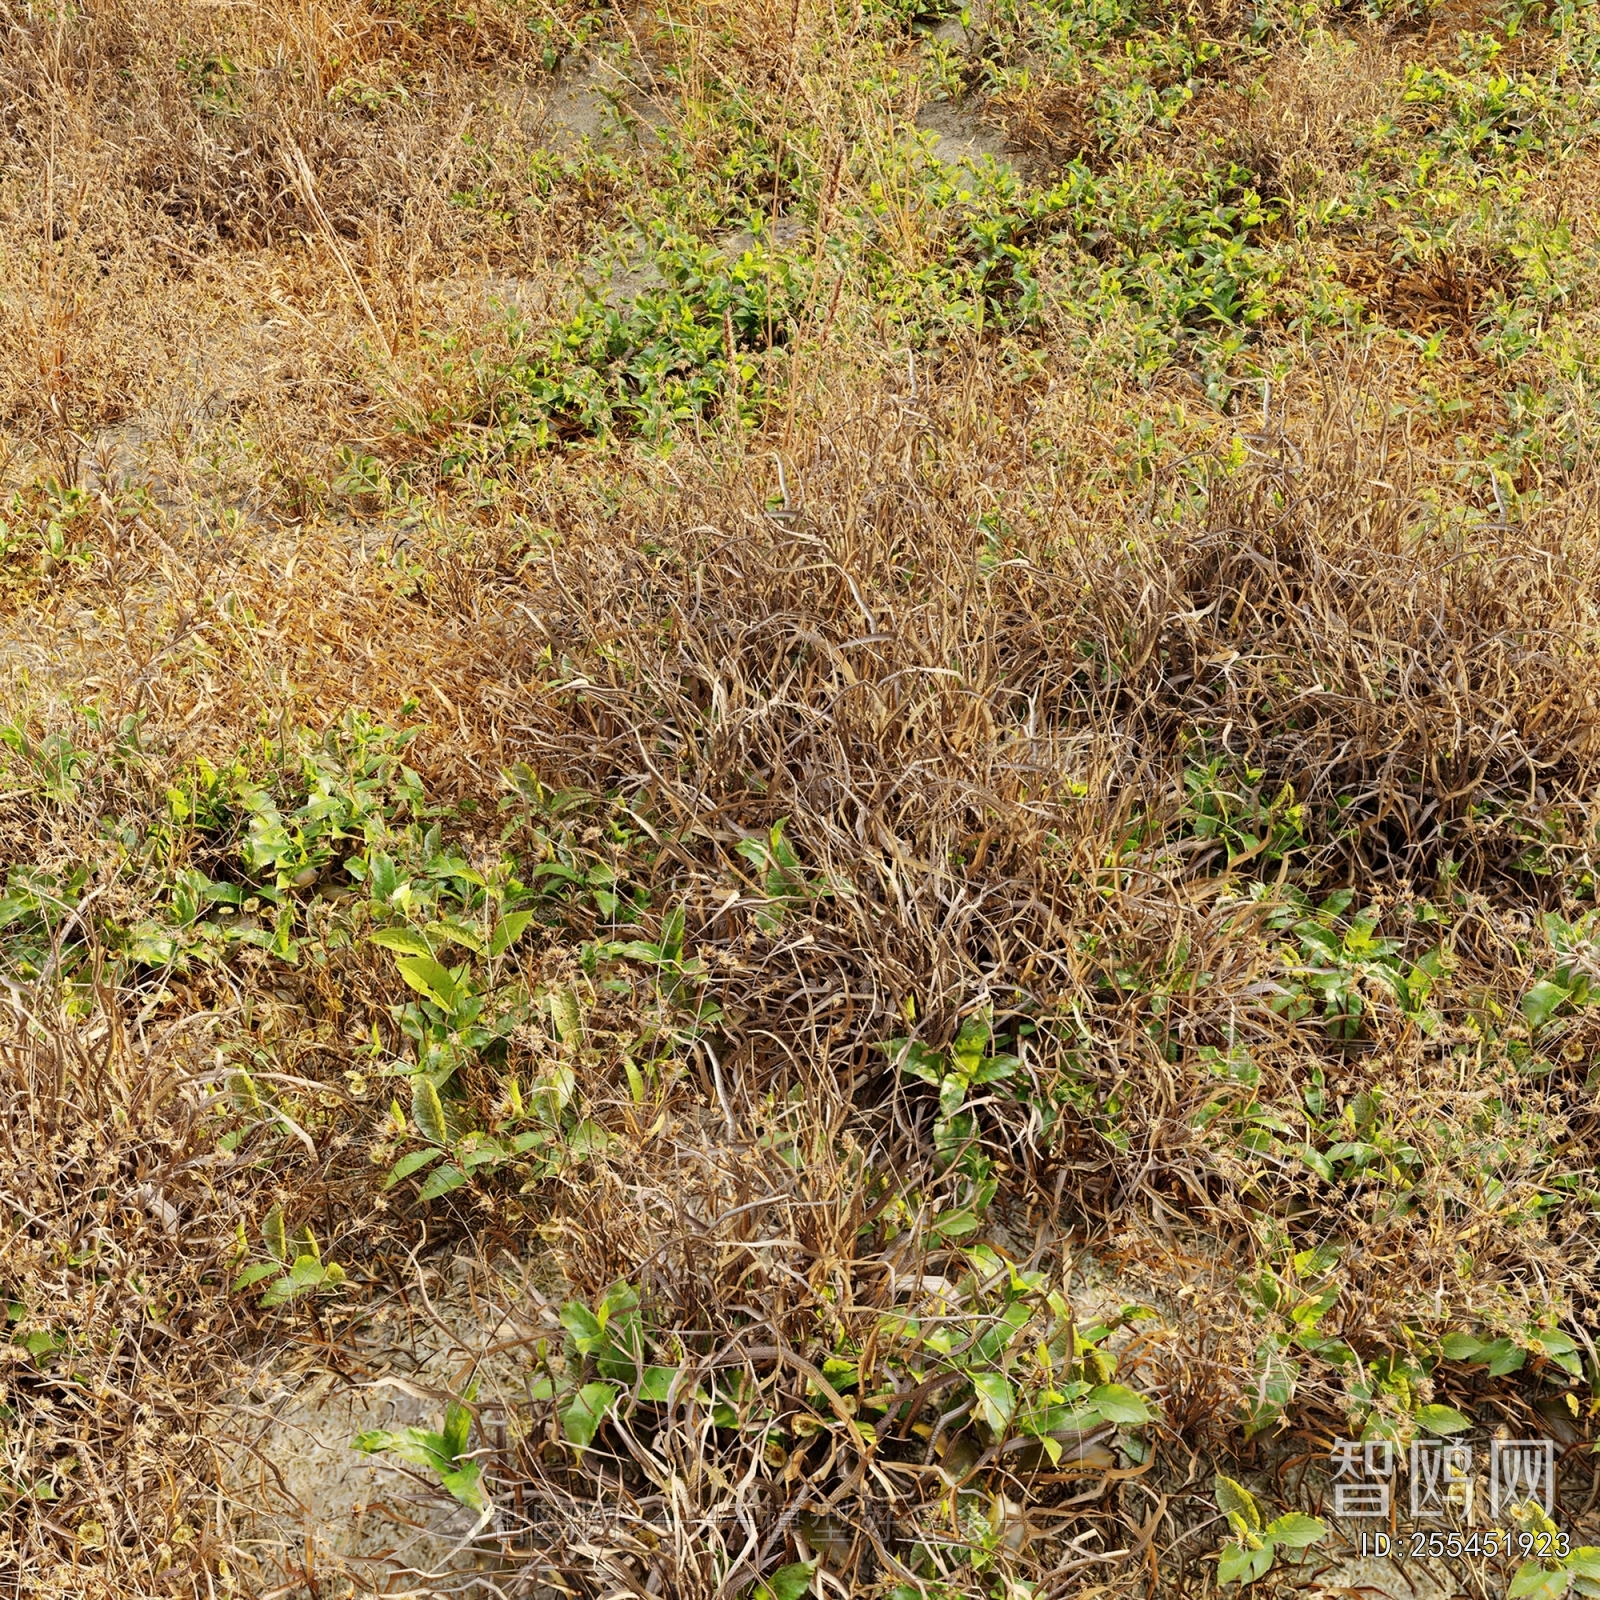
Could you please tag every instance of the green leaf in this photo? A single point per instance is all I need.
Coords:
(1460, 1347)
(272, 1232)
(1234, 1500)
(1318, 1162)
(1271, 1388)
(583, 1325)
(1503, 1357)
(403, 941)
(447, 929)
(952, 1095)
(306, 1273)
(567, 1015)
(656, 1384)
(416, 1445)
(581, 1420)
(441, 1181)
(787, 1583)
(1241, 1565)
(462, 1482)
(407, 1164)
(995, 1401)
(1543, 1000)
(427, 1109)
(242, 1088)
(953, 1225)
(508, 930)
(1536, 1582)
(917, 1059)
(1294, 1530)
(1585, 1562)
(1118, 1403)
(972, 1040)
(995, 1069)
(457, 1428)
(250, 1275)
(671, 942)
(430, 980)
(1442, 1420)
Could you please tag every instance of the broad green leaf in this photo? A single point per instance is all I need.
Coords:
(787, 1583)
(1294, 1530)
(1233, 1499)
(407, 1164)
(272, 1231)
(1585, 1561)
(250, 1275)
(457, 1428)
(416, 1445)
(1442, 1420)
(972, 1039)
(427, 1109)
(447, 929)
(403, 941)
(953, 1225)
(1460, 1347)
(656, 1384)
(1271, 1388)
(1118, 1403)
(581, 1420)
(1560, 1349)
(430, 980)
(1242, 1565)
(1543, 1000)
(1318, 1162)
(306, 1273)
(995, 1401)
(567, 1016)
(1536, 1582)
(479, 1149)
(246, 1097)
(587, 1138)
(583, 1325)
(441, 1181)
(995, 1069)
(671, 943)
(1503, 1357)
(462, 1482)
(508, 930)
(998, 1336)
(916, 1058)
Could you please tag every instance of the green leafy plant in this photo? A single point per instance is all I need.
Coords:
(1569, 984)
(790, 1582)
(783, 877)
(1256, 1545)
(1230, 808)
(1507, 1353)
(534, 1134)
(610, 1340)
(1341, 969)
(666, 356)
(306, 1272)
(970, 1063)
(444, 1453)
(1552, 1576)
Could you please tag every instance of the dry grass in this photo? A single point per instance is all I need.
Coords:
(994, 623)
